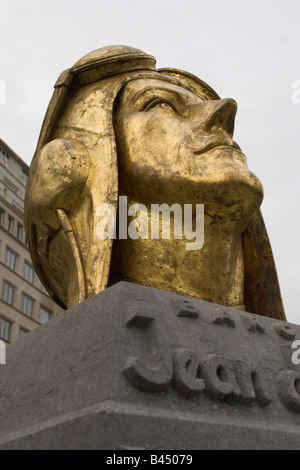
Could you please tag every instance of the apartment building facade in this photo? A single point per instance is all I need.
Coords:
(24, 302)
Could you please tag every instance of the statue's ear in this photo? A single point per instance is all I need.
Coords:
(57, 177)
(262, 292)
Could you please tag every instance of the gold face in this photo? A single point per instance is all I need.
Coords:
(174, 147)
(118, 126)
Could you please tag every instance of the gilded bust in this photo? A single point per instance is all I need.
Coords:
(118, 126)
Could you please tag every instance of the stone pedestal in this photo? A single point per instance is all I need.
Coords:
(139, 368)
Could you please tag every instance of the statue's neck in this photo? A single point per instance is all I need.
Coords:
(214, 273)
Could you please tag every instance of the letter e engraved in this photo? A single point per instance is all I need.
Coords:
(219, 377)
(288, 386)
(254, 382)
(253, 324)
(224, 318)
(186, 378)
(188, 311)
(157, 374)
(285, 331)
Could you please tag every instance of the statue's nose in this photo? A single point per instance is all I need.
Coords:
(220, 114)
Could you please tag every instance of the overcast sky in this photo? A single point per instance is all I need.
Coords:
(247, 50)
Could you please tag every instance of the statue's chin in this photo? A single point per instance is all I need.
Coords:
(219, 179)
(229, 192)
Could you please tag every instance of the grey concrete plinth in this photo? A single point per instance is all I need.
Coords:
(138, 368)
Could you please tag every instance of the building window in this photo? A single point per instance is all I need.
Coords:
(5, 328)
(27, 305)
(18, 207)
(4, 158)
(19, 231)
(44, 290)
(22, 332)
(11, 186)
(10, 223)
(24, 176)
(1, 216)
(11, 259)
(28, 272)
(45, 315)
(8, 292)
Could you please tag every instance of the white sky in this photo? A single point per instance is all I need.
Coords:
(247, 50)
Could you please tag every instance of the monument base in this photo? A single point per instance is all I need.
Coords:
(139, 368)
(116, 426)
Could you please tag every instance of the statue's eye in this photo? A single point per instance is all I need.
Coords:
(160, 103)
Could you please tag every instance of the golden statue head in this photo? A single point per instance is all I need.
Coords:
(117, 125)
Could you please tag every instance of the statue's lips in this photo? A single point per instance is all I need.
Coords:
(210, 148)
(215, 145)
